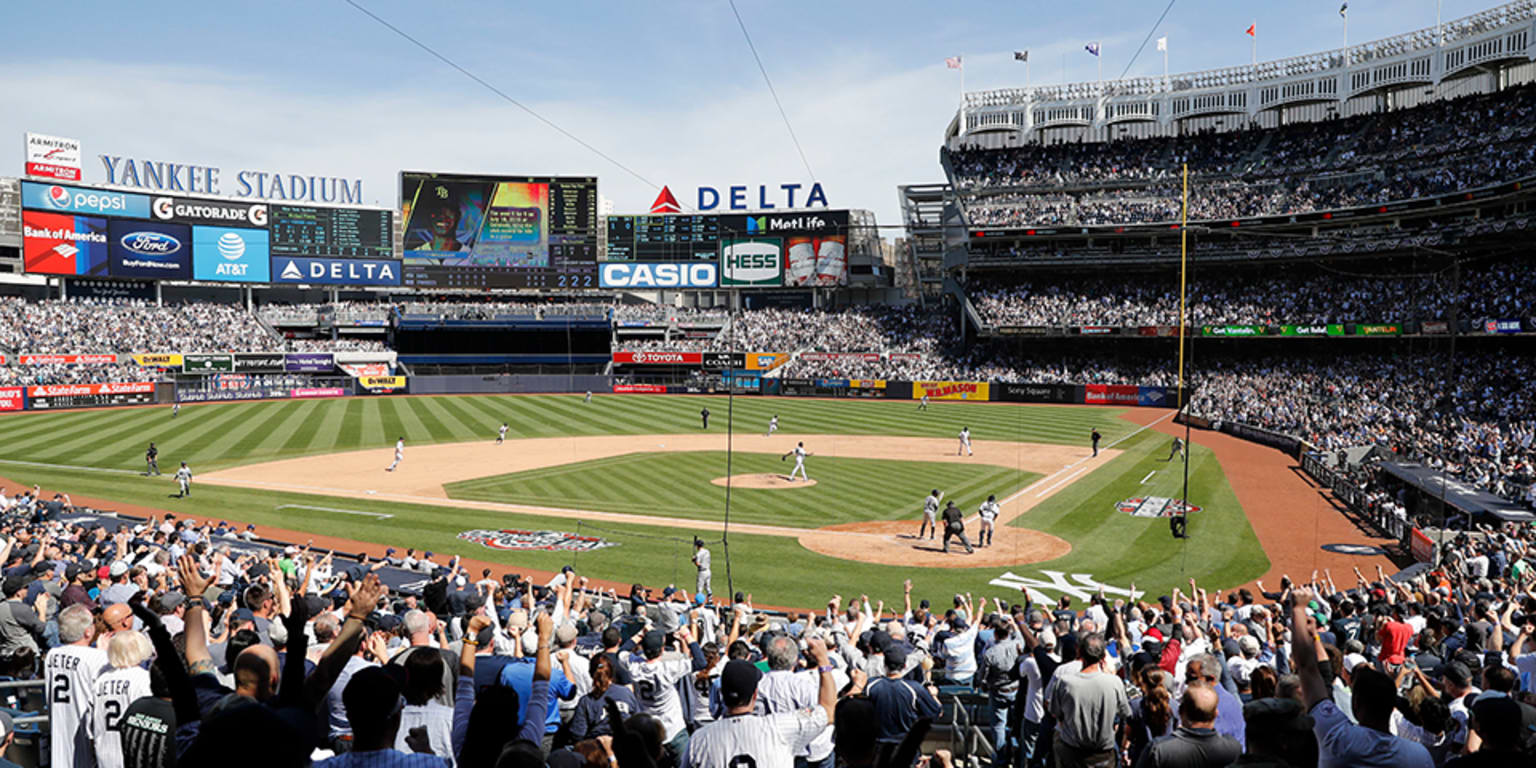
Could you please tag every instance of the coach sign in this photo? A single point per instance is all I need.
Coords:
(309, 363)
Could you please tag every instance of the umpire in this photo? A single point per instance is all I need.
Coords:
(954, 526)
(704, 414)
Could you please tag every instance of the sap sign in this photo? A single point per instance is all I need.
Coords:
(336, 271)
(57, 197)
(628, 275)
(743, 199)
(231, 254)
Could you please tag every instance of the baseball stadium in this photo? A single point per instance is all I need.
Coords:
(1214, 384)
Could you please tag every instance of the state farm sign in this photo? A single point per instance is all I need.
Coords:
(77, 390)
(659, 358)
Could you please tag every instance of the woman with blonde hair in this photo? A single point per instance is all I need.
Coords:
(123, 684)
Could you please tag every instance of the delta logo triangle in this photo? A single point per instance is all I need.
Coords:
(291, 272)
(666, 203)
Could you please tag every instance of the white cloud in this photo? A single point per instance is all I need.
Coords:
(865, 130)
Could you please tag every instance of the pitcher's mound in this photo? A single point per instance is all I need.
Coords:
(896, 543)
(766, 480)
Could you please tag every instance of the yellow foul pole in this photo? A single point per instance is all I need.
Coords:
(1183, 271)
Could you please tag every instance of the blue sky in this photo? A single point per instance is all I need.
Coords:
(667, 88)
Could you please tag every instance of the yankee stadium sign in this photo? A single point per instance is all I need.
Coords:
(508, 539)
(162, 176)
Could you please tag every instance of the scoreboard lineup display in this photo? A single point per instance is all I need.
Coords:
(306, 230)
(669, 237)
(471, 231)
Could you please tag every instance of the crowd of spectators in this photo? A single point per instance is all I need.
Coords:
(125, 327)
(908, 328)
(177, 641)
(1439, 147)
(1502, 289)
(338, 344)
(69, 373)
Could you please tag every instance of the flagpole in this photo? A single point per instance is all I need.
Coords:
(1255, 36)
(1346, 30)
(962, 94)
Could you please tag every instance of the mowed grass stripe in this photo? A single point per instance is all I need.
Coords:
(351, 427)
(276, 426)
(371, 429)
(63, 447)
(169, 434)
(208, 430)
(307, 431)
(418, 424)
(452, 413)
(25, 431)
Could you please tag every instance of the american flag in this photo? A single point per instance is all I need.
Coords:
(953, 62)
(1021, 55)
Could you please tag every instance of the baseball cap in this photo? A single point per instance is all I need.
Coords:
(566, 634)
(118, 568)
(389, 551)
(669, 591)
(895, 657)
(738, 682)
(244, 614)
(1048, 638)
(171, 600)
(653, 642)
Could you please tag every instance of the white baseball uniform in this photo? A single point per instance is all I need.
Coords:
(71, 672)
(799, 464)
(115, 690)
(988, 513)
(965, 442)
(589, 397)
(501, 434)
(655, 685)
(759, 741)
(701, 561)
(184, 479)
(773, 425)
(399, 455)
(931, 509)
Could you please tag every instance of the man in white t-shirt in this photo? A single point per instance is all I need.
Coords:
(741, 738)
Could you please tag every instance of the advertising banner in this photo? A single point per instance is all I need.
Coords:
(910, 357)
(1421, 545)
(867, 383)
(89, 395)
(756, 262)
(1096, 330)
(1111, 394)
(766, 361)
(198, 363)
(815, 244)
(155, 250)
(63, 244)
(12, 398)
(1157, 396)
(53, 157)
(219, 213)
(1026, 330)
(717, 361)
(639, 389)
(158, 360)
(292, 270)
(67, 359)
(659, 275)
(382, 383)
(1017, 392)
(258, 362)
(868, 357)
(1435, 327)
(317, 392)
(951, 390)
(1380, 329)
(365, 369)
(90, 288)
(309, 362)
(101, 202)
(649, 357)
(211, 395)
(1232, 330)
(1316, 329)
(231, 254)
(1501, 326)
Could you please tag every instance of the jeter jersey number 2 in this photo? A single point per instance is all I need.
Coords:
(115, 690)
(71, 673)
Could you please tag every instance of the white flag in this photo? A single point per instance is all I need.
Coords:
(1162, 43)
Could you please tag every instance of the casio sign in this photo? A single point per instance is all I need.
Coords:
(623, 275)
(150, 244)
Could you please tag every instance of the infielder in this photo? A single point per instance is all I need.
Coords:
(799, 454)
(152, 460)
(184, 479)
(399, 455)
(701, 561)
(988, 512)
(923, 405)
(1178, 449)
(501, 434)
(931, 514)
(965, 442)
(773, 425)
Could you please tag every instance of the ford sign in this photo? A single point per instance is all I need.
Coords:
(150, 244)
(665, 275)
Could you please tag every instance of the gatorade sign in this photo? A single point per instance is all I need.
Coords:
(752, 262)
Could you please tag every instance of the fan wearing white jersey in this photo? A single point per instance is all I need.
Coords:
(126, 683)
(655, 674)
(70, 673)
(765, 741)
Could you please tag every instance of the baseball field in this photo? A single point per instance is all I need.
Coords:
(629, 480)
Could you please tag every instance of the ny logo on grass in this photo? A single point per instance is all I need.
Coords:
(1084, 587)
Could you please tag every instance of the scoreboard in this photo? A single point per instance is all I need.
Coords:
(671, 237)
(352, 233)
(472, 231)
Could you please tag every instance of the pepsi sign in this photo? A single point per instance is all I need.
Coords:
(664, 275)
(66, 199)
(149, 249)
(231, 254)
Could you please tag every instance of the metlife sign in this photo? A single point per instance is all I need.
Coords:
(663, 275)
(290, 271)
(230, 254)
(66, 199)
(188, 210)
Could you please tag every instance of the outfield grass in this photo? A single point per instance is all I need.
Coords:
(1109, 545)
(677, 485)
(217, 435)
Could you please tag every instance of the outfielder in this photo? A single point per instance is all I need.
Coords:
(184, 479)
(501, 434)
(931, 514)
(988, 512)
(176, 410)
(773, 425)
(399, 455)
(799, 454)
(701, 561)
(589, 397)
(965, 442)
(152, 460)
(923, 405)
